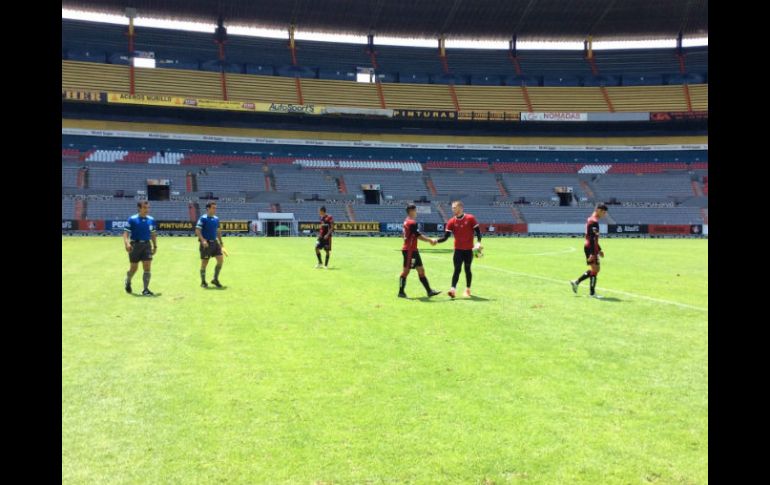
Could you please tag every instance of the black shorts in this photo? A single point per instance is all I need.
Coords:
(324, 244)
(416, 259)
(463, 256)
(214, 249)
(588, 253)
(140, 251)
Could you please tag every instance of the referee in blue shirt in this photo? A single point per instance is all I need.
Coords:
(141, 230)
(210, 237)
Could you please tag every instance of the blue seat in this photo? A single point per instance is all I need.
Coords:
(642, 80)
(449, 79)
(296, 71)
(485, 80)
(387, 77)
(339, 75)
(414, 78)
(521, 81)
(561, 81)
(601, 81)
(87, 56)
(120, 58)
(259, 69)
(689, 78)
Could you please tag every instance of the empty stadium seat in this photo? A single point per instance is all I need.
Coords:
(641, 79)
(259, 69)
(485, 80)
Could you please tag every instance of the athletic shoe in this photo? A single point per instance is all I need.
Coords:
(128, 286)
(148, 293)
(451, 292)
(598, 297)
(216, 283)
(401, 294)
(318, 266)
(204, 284)
(574, 286)
(433, 293)
(467, 292)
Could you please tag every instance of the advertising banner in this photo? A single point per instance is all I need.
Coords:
(489, 115)
(308, 109)
(503, 228)
(391, 227)
(375, 144)
(554, 116)
(115, 225)
(201, 103)
(94, 96)
(627, 228)
(144, 99)
(679, 115)
(181, 226)
(669, 228)
(234, 226)
(425, 114)
(89, 225)
(629, 116)
(343, 226)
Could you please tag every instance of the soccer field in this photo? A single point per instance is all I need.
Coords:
(292, 374)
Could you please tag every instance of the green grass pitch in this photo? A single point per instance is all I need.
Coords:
(296, 375)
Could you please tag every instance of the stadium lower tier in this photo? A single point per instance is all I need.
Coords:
(105, 184)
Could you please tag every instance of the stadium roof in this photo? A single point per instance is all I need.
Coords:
(557, 20)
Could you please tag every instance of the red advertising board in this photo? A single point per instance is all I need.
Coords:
(89, 225)
(503, 228)
(668, 228)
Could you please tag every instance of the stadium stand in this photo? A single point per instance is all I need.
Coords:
(91, 42)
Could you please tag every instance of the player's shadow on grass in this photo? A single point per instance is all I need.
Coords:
(612, 299)
(139, 295)
(215, 288)
(428, 299)
(438, 298)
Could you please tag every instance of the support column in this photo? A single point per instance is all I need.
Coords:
(220, 38)
(292, 46)
(131, 13)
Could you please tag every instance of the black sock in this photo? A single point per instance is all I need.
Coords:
(583, 277)
(401, 284)
(424, 281)
(327, 260)
(593, 284)
(217, 269)
(129, 275)
(203, 275)
(146, 279)
(318, 255)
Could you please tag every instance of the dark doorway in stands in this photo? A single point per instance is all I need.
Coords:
(565, 196)
(372, 193)
(158, 189)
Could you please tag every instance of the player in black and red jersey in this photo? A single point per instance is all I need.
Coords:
(324, 237)
(463, 226)
(411, 254)
(592, 249)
